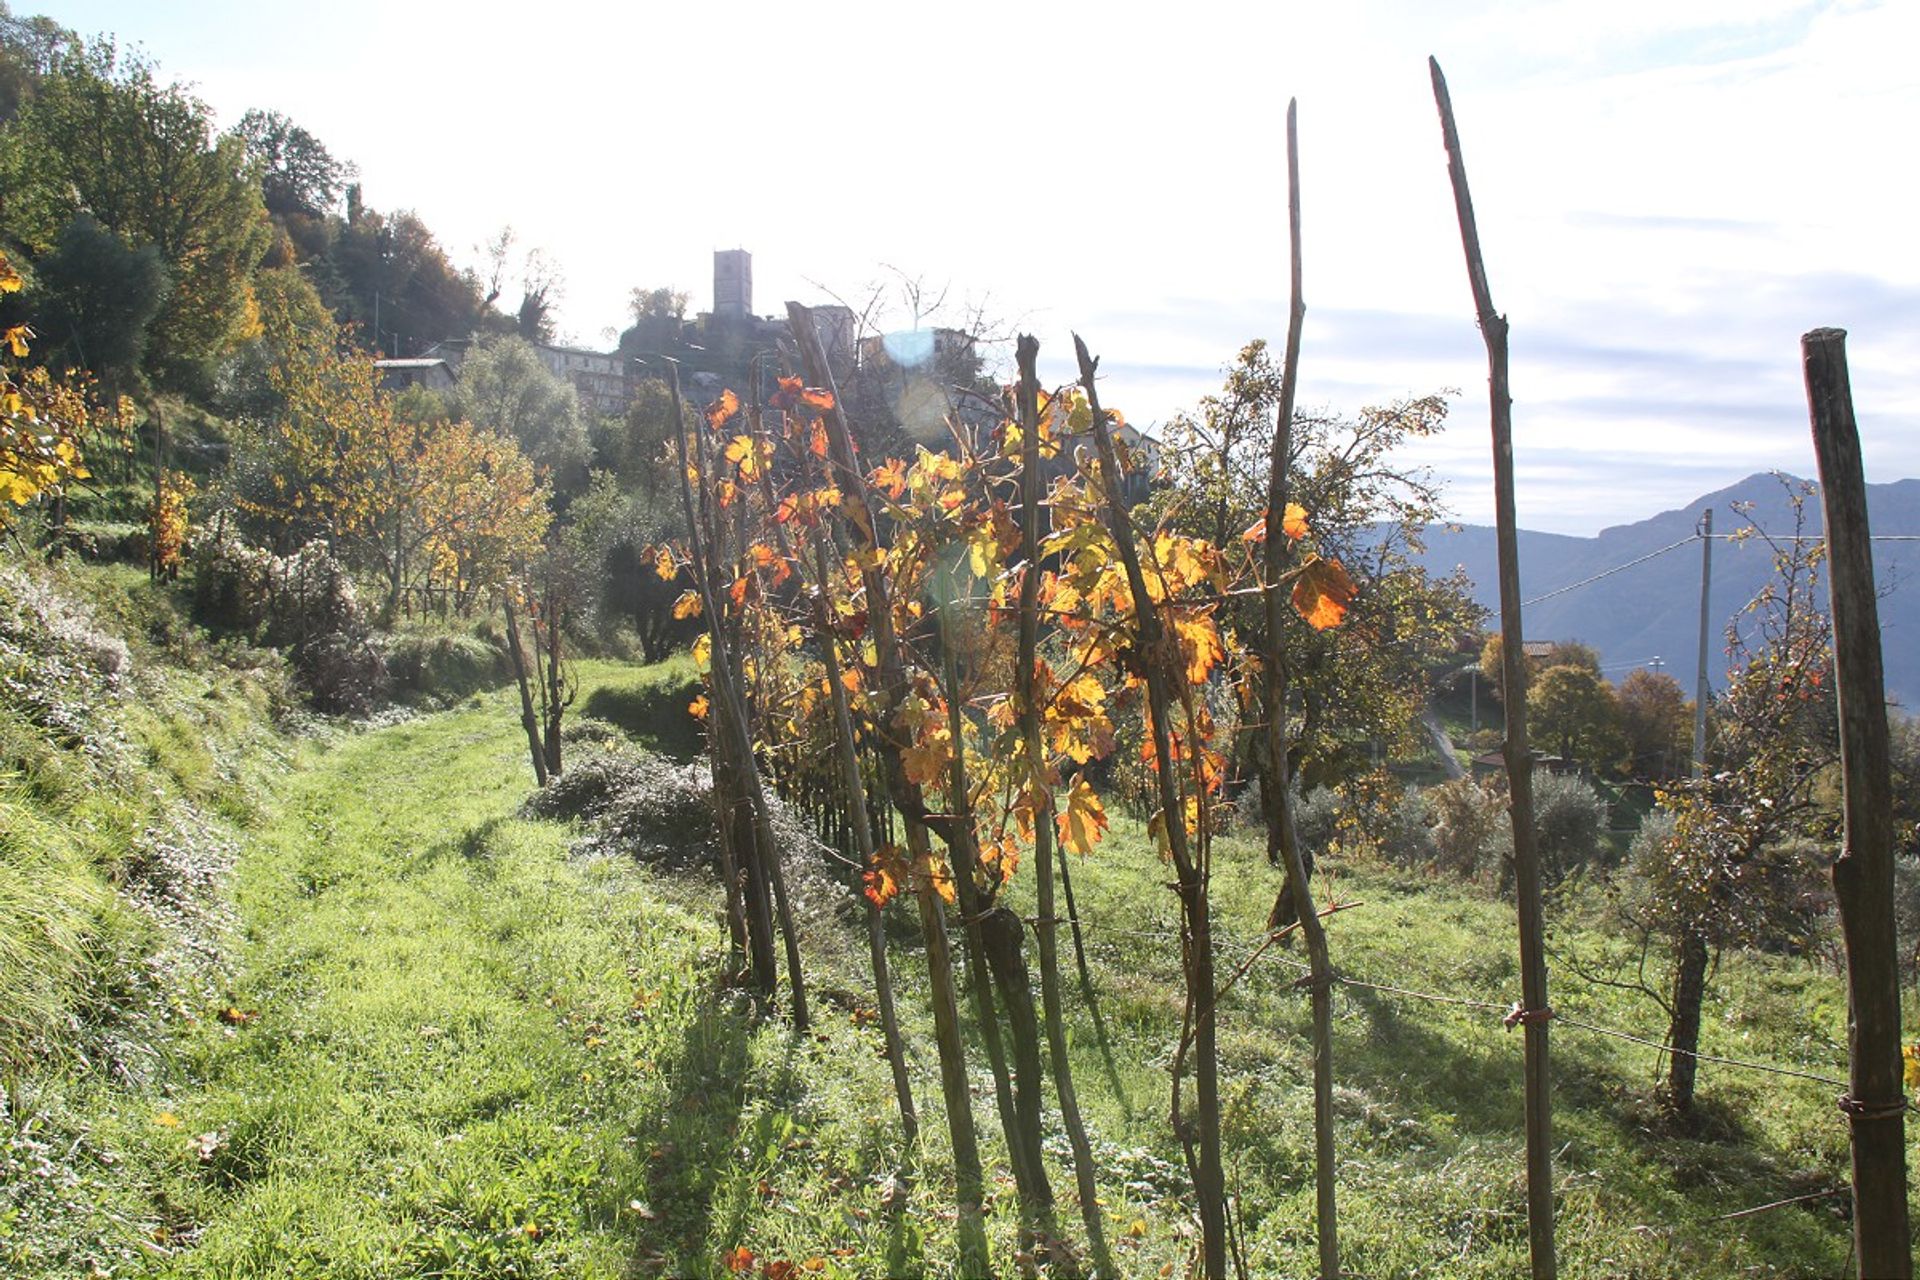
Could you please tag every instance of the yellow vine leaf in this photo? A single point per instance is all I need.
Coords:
(941, 878)
(1294, 524)
(687, 606)
(1199, 644)
(883, 875)
(663, 564)
(1083, 821)
(749, 455)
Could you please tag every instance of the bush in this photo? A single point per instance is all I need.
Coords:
(1403, 832)
(1569, 824)
(1464, 818)
(1316, 817)
(303, 604)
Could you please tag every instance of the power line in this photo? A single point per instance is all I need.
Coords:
(1693, 538)
(1608, 573)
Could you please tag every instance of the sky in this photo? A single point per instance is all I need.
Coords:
(1669, 193)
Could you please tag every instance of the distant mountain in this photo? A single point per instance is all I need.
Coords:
(1652, 610)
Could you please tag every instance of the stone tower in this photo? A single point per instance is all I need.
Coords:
(732, 284)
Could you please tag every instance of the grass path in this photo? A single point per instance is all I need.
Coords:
(460, 1052)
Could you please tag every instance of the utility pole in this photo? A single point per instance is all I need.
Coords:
(1705, 530)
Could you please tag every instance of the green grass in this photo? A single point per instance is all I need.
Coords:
(456, 1051)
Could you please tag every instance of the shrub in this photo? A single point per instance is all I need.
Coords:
(1316, 817)
(303, 604)
(1403, 833)
(1464, 818)
(1569, 824)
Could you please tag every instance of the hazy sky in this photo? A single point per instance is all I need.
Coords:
(1669, 193)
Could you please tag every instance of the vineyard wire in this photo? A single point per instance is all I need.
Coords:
(1505, 1009)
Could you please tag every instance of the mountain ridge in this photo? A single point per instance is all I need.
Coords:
(1637, 615)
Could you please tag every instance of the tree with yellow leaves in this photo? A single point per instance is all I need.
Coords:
(413, 500)
(41, 423)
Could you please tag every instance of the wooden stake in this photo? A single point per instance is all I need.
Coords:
(956, 1089)
(1278, 554)
(1209, 1183)
(847, 756)
(1519, 756)
(1863, 875)
(1046, 926)
(730, 720)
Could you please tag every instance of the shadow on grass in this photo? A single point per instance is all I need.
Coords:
(654, 714)
(472, 846)
(697, 1138)
(1482, 1091)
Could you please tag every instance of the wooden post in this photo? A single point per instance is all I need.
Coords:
(1026, 697)
(848, 757)
(1863, 875)
(1534, 1011)
(1284, 833)
(1191, 873)
(730, 720)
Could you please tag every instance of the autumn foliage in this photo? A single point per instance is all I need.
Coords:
(43, 418)
(905, 577)
(417, 501)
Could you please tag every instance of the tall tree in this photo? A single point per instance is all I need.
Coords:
(1576, 711)
(98, 299)
(29, 48)
(389, 276)
(1736, 868)
(403, 496)
(658, 315)
(1657, 718)
(103, 135)
(297, 172)
(1370, 511)
(505, 387)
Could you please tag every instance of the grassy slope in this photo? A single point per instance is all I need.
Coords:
(473, 1056)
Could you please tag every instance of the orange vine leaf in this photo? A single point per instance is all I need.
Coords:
(1322, 593)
